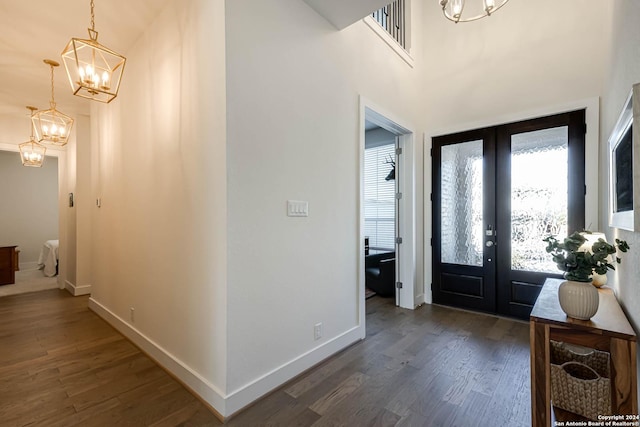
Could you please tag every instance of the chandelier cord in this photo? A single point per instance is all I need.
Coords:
(53, 99)
(31, 127)
(93, 17)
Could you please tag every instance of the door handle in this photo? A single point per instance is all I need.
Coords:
(489, 243)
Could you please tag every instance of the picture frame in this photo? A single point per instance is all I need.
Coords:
(624, 179)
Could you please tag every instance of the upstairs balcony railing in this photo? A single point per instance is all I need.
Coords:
(392, 18)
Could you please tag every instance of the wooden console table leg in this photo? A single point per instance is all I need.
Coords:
(540, 375)
(623, 365)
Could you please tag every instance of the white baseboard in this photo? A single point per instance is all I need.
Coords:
(247, 394)
(77, 290)
(191, 379)
(227, 404)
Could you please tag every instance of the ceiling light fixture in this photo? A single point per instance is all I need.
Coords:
(94, 70)
(32, 153)
(458, 11)
(52, 126)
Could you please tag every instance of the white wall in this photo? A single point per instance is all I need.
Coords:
(29, 207)
(623, 71)
(83, 203)
(68, 230)
(75, 229)
(526, 56)
(293, 91)
(159, 168)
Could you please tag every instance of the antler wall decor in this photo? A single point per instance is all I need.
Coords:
(392, 174)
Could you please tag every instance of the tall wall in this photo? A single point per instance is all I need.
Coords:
(527, 56)
(29, 207)
(75, 232)
(623, 71)
(83, 205)
(159, 170)
(294, 86)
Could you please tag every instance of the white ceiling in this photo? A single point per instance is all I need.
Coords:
(34, 30)
(37, 29)
(342, 13)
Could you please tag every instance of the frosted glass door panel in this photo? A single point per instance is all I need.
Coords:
(461, 212)
(539, 170)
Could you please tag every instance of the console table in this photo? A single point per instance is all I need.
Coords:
(609, 330)
(7, 265)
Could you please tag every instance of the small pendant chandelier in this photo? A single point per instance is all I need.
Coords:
(459, 11)
(94, 70)
(32, 153)
(52, 126)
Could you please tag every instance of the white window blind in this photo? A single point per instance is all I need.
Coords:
(379, 198)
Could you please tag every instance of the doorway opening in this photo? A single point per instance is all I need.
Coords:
(29, 221)
(380, 211)
(387, 209)
(497, 192)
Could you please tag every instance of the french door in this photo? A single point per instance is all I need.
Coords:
(497, 192)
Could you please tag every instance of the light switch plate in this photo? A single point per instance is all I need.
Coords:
(297, 208)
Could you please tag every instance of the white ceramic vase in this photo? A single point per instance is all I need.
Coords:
(578, 299)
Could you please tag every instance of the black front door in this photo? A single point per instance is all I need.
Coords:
(497, 192)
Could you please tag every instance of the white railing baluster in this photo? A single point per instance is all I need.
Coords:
(392, 19)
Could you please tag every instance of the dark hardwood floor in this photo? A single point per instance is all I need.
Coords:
(61, 365)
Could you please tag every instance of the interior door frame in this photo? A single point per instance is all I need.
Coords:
(61, 156)
(592, 141)
(411, 294)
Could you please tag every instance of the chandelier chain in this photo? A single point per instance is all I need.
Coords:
(93, 17)
(31, 124)
(53, 99)
(31, 113)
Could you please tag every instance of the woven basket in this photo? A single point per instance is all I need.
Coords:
(597, 360)
(579, 386)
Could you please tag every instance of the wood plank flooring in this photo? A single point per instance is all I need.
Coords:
(61, 365)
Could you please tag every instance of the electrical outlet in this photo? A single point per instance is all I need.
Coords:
(131, 314)
(317, 331)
